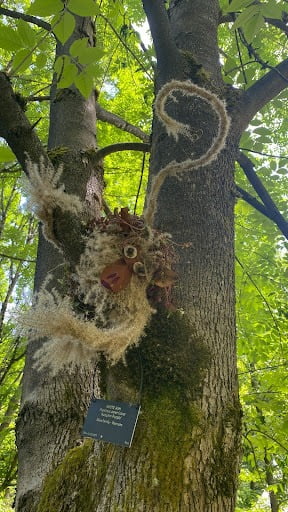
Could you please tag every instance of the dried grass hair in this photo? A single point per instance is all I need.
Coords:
(73, 340)
(46, 193)
(175, 128)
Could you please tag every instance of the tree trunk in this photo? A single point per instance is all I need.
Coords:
(185, 454)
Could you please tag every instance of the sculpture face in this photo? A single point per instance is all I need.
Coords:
(116, 277)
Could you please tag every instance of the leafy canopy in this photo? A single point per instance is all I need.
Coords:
(120, 65)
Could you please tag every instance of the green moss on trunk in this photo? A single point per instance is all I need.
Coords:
(68, 487)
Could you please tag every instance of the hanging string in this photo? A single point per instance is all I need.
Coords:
(140, 182)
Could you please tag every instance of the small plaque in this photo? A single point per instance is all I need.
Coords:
(113, 422)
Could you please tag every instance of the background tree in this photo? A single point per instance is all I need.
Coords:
(186, 450)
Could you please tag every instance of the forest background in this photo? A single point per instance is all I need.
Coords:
(122, 71)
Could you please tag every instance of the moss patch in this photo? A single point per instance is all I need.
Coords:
(225, 468)
(170, 355)
(69, 479)
(167, 423)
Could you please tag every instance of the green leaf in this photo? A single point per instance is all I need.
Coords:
(22, 60)
(9, 39)
(243, 18)
(68, 73)
(6, 155)
(85, 83)
(59, 64)
(64, 28)
(256, 122)
(78, 46)
(236, 5)
(253, 25)
(83, 7)
(41, 59)
(231, 66)
(26, 34)
(85, 54)
(262, 131)
(90, 55)
(246, 140)
(271, 10)
(45, 7)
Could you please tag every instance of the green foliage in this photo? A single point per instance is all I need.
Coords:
(123, 73)
(262, 344)
(17, 256)
(47, 8)
(63, 26)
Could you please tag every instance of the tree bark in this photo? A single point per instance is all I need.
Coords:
(52, 409)
(186, 450)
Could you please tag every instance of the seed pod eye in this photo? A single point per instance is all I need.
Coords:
(130, 251)
(139, 269)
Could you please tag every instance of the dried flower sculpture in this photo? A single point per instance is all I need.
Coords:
(125, 271)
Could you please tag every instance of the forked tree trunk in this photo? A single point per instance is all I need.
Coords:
(185, 453)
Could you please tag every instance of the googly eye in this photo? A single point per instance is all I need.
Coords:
(139, 269)
(130, 251)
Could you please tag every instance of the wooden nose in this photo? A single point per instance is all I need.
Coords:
(116, 277)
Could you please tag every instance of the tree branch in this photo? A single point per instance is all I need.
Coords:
(283, 157)
(167, 53)
(16, 129)
(254, 202)
(119, 122)
(121, 146)
(123, 42)
(4, 255)
(261, 92)
(278, 24)
(38, 98)
(230, 18)
(258, 186)
(25, 17)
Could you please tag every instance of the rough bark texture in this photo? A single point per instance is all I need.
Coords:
(52, 409)
(185, 453)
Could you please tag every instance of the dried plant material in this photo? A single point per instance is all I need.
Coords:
(108, 248)
(174, 128)
(73, 340)
(101, 319)
(45, 194)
